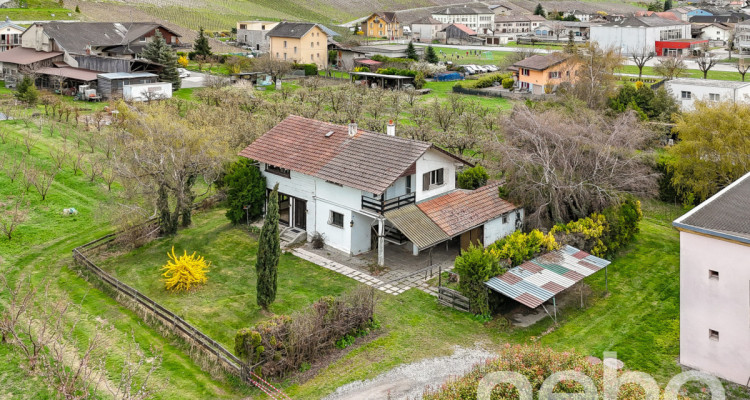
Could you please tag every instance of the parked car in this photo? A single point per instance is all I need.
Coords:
(470, 69)
(183, 73)
(492, 68)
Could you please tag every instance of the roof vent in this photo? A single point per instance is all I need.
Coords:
(329, 134)
(352, 128)
(391, 128)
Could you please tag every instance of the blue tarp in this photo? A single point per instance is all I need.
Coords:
(450, 76)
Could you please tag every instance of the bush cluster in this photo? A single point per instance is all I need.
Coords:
(489, 80)
(397, 71)
(284, 343)
(472, 178)
(310, 69)
(245, 187)
(518, 247)
(475, 266)
(508, 83)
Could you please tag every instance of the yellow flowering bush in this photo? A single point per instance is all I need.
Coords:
(183, 272)
(592, 228)
(183, 61)
(519, 247)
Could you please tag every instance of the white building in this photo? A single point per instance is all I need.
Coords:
(477, 19)
(715, 284)
(742, 37)
(361, 189)
(687, 90)
(717, 31)
(632, 34)
(517, 25)
(426, 29)
(10, 35)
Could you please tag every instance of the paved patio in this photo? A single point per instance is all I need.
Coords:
(403, 270)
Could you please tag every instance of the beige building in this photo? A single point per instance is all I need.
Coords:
(301, 42)
(383, 24)
(715, 284)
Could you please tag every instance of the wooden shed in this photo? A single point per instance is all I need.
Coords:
(110, 84)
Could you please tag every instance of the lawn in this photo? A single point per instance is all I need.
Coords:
(534, 46)
(226, 302)
(42, 14)
(691, 73)
(461, 57)
(42, 248)
(441, 91)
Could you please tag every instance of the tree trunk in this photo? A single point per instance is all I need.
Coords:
(166, 222)
(187, 212)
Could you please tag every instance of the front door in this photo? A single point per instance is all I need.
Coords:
(300, 214)
(285, 207)
(474, 236)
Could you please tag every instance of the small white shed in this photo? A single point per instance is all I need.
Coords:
(147, 91)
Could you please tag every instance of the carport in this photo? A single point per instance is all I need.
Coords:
(536, 281)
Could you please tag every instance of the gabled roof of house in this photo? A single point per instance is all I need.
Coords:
(8, 23)
(463, 210)
(427, 21)
(725, 215)
(23, 55)
(369, 161)
(291, 29)
(74, 37)
(463, 28)
(633, 21)
(464, 11)
(387, 16)
(540, 62)
(664, 14)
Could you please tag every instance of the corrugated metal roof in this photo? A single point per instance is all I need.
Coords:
(69, 72)
(538, 280)
(417, 226)
(127, 75)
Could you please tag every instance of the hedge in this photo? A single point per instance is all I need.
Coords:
(396, 71)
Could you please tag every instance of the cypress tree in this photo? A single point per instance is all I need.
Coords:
(411, 52)
(269, 251)
(158, 51)
(539, 10)
(201, 46)
(430, 56)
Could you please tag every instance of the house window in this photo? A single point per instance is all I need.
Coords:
(243, 26)
(686, 95)
(505, 218)
(713, 274)
(278, 170)
(408, 184)
(432, 178)
(713, 335)
(312, 58)
(284, 56)
(525, 71)
(336, 219)
(714, 97)
(295, 49)
(285, 44)
(554, 75)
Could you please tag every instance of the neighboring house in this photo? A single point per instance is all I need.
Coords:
(687, 90)
(633, 34)
(109, 39)
(665, 14)
(680, 47)
(581, 16)
(717, 31)
(301, 42)
(478, 19)
(426, 29)
(715, 284)
(742, 37)
(508, 8)
(346, 56)
(460, 34)
(550, 28)
(361, 189)
(20, 60)
(253, 34)
(383, 24)
(10, 35)
(541, 74)
(517, 25)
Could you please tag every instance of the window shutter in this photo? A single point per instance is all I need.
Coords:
(426, 181)
(440, 176)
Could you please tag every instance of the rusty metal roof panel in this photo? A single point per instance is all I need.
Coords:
(536, 281)
(416, 226)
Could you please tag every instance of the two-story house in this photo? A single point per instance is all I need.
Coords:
(383, 24)
(10, 35)
(301, 42)
(360, 189)
(478, 19)
(254, 34)
(715, 284)
(517, 25)
(542, 73)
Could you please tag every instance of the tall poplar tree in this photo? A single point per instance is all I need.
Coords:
(269, 251)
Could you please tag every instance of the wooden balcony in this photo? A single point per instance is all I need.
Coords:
(380, 205)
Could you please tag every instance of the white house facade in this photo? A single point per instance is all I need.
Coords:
(477, 19)
(633, 34)
(345, 184)
(715, 284)
(689, 90)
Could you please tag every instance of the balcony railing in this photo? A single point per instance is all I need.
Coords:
(380, 205)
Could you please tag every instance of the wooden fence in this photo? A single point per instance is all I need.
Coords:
(209, 347)
(451, 298)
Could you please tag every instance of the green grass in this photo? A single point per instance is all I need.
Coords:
(691, 73)
(534, 46)
(452, 54)
(441, 91)
(226, 302)
(32, 14)
(42, 248)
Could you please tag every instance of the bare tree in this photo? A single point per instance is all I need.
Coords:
(93, 168)
(595, 79)
(29, 177)
(276, 68)
(557, 28)
(13, 167)
(29, 141)
(76, 163)
(59, 155)
(43, 182)
(640, 57)
(670, 67)
(11, 217)
(563, 167)
(742, 67)
(705, 61)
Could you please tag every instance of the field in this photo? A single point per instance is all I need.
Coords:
(691, 73)
(462, 57)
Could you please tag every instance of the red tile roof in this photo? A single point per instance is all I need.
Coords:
(465, 28)
(462, 210)
(369, 161)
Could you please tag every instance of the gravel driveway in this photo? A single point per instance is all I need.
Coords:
(408, 381)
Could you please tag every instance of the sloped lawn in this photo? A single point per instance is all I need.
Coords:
(226, 302)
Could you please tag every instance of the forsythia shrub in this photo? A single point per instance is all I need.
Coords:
(183, 61)
(180, 273)
(519, 247)
(592, 229)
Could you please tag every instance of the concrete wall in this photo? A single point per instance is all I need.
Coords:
(432, 160)
(631, 39)
(496, 229)
(721, 304)
(361, 233)
(703, 93)
(34, 38)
